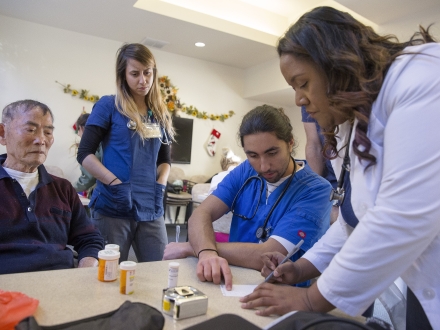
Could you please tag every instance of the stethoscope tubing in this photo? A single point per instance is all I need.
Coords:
(261, 229)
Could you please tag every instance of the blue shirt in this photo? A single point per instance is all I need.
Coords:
(133, 161)
(346, 208)
(303, 211)
(329, 174)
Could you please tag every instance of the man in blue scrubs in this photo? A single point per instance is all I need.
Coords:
(276, 201)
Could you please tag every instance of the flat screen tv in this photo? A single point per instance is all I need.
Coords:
(181, 148)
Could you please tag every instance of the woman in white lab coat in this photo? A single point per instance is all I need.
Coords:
(382, 99)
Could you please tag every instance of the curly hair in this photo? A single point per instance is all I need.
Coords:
(355, 60)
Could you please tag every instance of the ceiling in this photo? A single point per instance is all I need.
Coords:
(231, 43)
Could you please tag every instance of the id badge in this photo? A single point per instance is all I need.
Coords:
(153, 130)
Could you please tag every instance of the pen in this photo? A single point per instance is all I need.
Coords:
(294, 250)
(177, 233)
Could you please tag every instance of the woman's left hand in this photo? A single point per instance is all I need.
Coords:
(277, 299)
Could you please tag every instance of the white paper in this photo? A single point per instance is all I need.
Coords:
(238, 290)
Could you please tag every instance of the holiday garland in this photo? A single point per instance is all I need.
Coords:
(169, 94)
(81, 93)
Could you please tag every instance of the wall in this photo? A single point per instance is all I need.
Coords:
(404, 28)
(33, 57)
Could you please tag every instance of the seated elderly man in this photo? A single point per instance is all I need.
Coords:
(39, 213)
(275, 200)
(228, 162)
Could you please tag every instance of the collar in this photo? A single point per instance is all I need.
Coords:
(44, 177)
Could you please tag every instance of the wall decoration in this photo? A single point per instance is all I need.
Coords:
(169, 93)
(211, 145)
(81, 93)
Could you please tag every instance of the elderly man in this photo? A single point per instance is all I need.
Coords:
(275, 200)
(39, 213)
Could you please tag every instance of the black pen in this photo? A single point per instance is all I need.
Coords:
(294, 250)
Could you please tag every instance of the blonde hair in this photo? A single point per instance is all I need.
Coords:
(124, 100)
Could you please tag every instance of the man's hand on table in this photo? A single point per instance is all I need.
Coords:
(178, 251)
(211, 268)
(88, 262)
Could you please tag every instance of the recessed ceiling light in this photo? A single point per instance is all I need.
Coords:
(200, 44)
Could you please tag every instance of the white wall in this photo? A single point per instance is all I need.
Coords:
(264, 78)
(33, 57)
(405, 28)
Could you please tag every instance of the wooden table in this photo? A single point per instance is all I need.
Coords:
(72, 294)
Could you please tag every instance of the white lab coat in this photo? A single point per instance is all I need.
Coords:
(397, 201)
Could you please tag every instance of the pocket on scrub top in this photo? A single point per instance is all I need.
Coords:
(159, 195)
(121, 197)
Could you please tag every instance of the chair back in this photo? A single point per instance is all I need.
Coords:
(176, 174)
(200, 191)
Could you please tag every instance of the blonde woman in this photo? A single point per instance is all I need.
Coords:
(135, 130)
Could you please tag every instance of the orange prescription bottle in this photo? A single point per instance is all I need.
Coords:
(126, 281)
(108, 265)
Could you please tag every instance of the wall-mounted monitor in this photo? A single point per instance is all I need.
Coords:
(181, 148)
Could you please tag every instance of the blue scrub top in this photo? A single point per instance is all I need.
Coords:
(303, 212)
(133, 161)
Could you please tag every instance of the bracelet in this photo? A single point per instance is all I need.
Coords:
(198, 254)
(108, 184)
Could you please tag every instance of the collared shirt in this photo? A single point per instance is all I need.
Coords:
(34, 231)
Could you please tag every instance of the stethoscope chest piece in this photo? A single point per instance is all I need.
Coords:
(261, 233)
(131, 125)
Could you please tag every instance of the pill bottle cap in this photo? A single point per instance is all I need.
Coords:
(127, 265)
(114, 247)
(108, 255)
(173, 264)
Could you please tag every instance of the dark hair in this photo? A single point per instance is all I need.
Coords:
(354, 59)
(266, 118)
(10, 111)
(82, 120)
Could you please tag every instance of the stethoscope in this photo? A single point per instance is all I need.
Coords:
(132, 125)
(337, 196)
(261, 232)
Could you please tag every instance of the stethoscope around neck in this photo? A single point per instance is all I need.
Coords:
(337, 195)
(262, 231)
